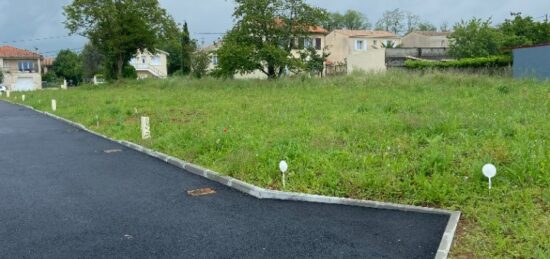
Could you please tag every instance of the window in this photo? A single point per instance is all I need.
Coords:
(142, 60)
(318, 43)
(359, 44)
(214, 59)
(308, 43)
(25, 66)
(155, 61)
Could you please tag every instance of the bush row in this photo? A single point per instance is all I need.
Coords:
(484, 62)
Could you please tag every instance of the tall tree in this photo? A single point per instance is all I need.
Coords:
(118, 28)
(68, 65)
(264, 35)
(92, 60)
(392, 20)
(475, 38)
(187, 48)
(412, 21)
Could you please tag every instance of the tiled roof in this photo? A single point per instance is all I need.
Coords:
(366, 33)
(433, 33)
(12, 52)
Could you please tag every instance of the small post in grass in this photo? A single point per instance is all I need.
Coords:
(97, 121)
(23, 98)
(489, 170)
(54, 105)
(8, 94)
(283, 166)
(145, 128)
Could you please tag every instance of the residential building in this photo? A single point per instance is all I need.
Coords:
(426, 39)
(532, 62)
(316, 40)
(149, 65)
(21, 69)
(360, 49)
(47, 65)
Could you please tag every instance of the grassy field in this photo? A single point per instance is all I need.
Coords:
(400, 137)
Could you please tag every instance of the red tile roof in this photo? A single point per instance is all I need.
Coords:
(12, 52)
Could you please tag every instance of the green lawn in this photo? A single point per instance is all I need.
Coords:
(400, 137)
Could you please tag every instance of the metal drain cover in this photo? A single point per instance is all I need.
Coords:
(201, 192)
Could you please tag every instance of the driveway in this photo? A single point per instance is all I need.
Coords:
(67, 193)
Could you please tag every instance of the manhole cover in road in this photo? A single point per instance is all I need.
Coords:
(110, 151)
(201, 192)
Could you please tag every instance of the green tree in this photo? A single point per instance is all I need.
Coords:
(393, 21)
(1, 77)
(68, 65)
(200, 63)
(425, 26)
(475, 38)
(520, 31)
(118, 28)
(187, 48)
(351, 20)
(264, 35)
(92, 61)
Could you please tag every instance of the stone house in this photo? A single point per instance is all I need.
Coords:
(21, 69)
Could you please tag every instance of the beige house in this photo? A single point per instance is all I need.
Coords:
(47, 64)
(360, 49)
(426, 39)
(21, 69)
(316, 40)
(149, 65)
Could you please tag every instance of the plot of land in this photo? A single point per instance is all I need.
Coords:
(63, 197)
(403, 138)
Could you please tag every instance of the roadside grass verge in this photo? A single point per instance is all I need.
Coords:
(400, 137)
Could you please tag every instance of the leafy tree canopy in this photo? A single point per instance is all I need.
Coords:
(118, 28)
(351, 20)
(92, 60)
(68, 65)
(475, 38)
(264, 35)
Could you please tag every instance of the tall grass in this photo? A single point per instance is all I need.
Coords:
(400, 137)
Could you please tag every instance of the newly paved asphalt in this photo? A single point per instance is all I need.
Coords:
(62, 196)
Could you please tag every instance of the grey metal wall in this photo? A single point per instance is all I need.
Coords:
(533, 62)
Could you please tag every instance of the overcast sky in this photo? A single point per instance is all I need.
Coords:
(38, 19)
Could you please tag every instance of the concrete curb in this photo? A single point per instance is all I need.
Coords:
(262, 193)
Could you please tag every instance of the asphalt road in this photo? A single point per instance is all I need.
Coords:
(62, 196)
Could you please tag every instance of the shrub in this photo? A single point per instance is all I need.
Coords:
(484, 62)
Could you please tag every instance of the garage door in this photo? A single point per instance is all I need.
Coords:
(24, 84)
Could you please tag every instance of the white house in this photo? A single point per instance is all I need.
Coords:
(149, 65)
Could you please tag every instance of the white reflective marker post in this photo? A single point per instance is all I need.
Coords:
(283, 166)
(489, 171)
(145, 129)
(23, 98)
(8, 94)
(54, 105)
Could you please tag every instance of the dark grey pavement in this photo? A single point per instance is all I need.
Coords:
(62, 196)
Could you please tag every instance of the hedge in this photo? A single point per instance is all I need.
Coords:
(484, 62)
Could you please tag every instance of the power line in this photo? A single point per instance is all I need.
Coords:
(38, 39)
